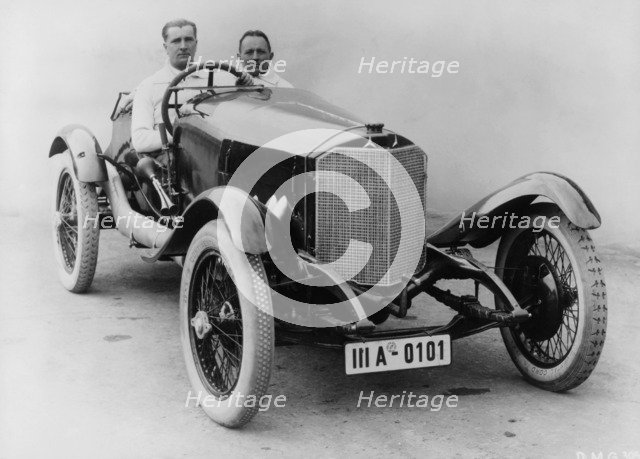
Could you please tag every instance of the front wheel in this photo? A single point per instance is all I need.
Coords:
(226, 326)
(555, 273)
(75, 229)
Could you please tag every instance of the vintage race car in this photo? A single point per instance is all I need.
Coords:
(297, 222)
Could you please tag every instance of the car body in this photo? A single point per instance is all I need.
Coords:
(298, 221)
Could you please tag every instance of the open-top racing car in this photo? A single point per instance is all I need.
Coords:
(297, 222)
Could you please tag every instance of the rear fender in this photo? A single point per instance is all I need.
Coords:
(516, 199)
(84, 149)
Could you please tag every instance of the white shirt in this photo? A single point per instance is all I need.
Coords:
(147, 103)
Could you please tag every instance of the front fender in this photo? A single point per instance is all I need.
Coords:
(84, 150)
(243, 215)
(516, 198)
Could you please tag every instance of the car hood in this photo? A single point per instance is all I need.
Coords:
(258, 117)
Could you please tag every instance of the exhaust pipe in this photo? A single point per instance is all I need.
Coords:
(146, 168)
(137, 227)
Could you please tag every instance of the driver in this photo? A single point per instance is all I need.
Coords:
(180, 42)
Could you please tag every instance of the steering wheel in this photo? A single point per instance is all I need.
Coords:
(173, 88)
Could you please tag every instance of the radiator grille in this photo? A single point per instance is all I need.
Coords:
(379, 223)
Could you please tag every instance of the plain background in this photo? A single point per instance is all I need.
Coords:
(542, 85)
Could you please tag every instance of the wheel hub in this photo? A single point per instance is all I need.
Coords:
(542, 286)
(201, 325)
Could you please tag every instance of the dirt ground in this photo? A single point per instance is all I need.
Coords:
(102, 375)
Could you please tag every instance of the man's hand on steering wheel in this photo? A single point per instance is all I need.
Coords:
(244, 80)
(171, 89)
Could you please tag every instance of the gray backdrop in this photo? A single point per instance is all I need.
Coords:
(542, 85)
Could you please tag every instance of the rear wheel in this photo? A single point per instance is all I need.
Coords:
(226, 326)
(76, 231)
(556, 274)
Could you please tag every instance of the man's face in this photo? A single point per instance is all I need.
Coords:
(180, 45)
(255, 55)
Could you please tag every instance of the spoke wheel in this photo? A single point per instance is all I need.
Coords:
(67, 222)
(557, 276)
(226, 326)
(216, 324)
(75, 230)
(545, 284)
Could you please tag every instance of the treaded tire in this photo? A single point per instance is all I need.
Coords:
(581, 356)
(257, 328)
(76, 232)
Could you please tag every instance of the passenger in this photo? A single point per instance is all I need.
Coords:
(254, 51)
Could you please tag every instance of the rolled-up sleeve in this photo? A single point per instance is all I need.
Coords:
(144, 133)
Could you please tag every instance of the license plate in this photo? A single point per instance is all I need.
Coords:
(397, 354)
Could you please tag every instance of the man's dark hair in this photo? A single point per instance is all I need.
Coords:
(178, 23)
(254, 33)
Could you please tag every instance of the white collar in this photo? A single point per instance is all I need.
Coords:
(174, 71)
(270, 77)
